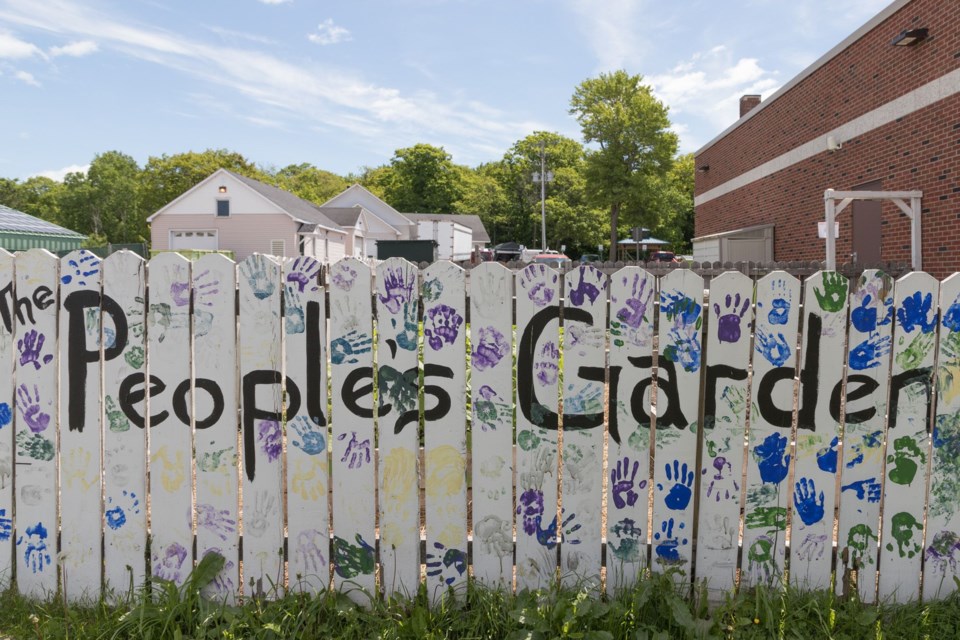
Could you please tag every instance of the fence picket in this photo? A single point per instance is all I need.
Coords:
(397, 299)
(491, 381)
(676, 432)
(444, 430)
(261, 343)
(354, 474)
(125, 435)
(942, 544)
(730, 314)
(538, 354)
(861, 469)
(170, 437)
(7, 405)
(632, 305)
(584, 373)
(80, 423)
(907, 436)
(37, 273)
(215, 398)
(814, 488)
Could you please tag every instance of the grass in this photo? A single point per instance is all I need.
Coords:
(652, 609)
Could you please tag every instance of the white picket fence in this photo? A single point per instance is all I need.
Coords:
(777, 432)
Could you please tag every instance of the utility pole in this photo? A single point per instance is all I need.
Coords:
(543, 177)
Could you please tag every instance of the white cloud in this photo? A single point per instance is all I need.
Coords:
(329, 33)
(612, 29)
(275, 1)
(13, 48)
(75, 49)
(26, 77)
(60, 174)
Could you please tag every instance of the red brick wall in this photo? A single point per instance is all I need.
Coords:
(918, 152)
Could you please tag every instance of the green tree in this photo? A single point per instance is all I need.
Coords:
(423, 179)
(676, 220)
(483, 196)
(39, 196)
(309, 183)
(105, 200)
(635, 148)
(166, 178)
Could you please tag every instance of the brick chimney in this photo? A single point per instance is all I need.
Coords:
(747, 103)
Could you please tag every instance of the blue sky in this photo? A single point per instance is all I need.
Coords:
(342, 84)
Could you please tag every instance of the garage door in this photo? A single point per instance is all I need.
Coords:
(196, 240)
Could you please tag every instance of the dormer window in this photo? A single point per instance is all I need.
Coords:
(223, 208)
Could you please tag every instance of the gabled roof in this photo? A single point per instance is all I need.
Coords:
(15, 221)
(357, 194)
(343, 216)
(302, 210)
(473, 222)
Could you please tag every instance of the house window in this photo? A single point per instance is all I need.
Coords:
(278, 247)
(223, 208)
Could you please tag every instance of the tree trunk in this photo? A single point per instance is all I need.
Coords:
(614, 216)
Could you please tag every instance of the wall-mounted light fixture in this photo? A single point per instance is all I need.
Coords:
(910, 37)
(222, 189)
(703, 168)
(833, 144)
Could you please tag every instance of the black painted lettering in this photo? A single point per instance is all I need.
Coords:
(859, 387)
(350, 394)
(252, 413)
(774, 415)
(714, 373)
(922, 376)
(810, 375)
(181, 410)
(7, 305)
(130, 396)
(667, 390)
(315, 364)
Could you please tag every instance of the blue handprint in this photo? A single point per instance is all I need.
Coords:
(914, 311)
(6, 526)
(303, 273)
(346, 348)
(865, 318)
(35, 554)
(870, 441)
(447, 563)
(681, 309)
(869, 489)
(951, 317)
(685, 350)
(774, 348)
(780, 306)
(293, 311)
(88, 265)
(680, 493)
(808, 504)
(867, 354)
(771, 458)
(116, 517)
(6, 415)
(256, 270)
(312, 440)
(827, 457)
(667, 545)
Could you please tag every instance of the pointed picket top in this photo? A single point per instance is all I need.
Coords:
(633, 297)
(730, 314)
(491, 362)
(7, 404)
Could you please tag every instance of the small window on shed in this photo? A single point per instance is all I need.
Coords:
(278, 247)
(223, 208)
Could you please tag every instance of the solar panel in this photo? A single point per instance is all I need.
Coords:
(13, 220)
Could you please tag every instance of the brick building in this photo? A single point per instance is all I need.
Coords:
(879, 112)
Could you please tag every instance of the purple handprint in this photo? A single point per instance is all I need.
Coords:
(489, 349)
(531, 508)
(584, 290)
(622, 485)
(398, 287)
(270, 439)
(537, 290)
(715, 489)
(357, 452)
(168, 566)
(180, 293)
(31, 347)
(343, 276)
(636, 305)
(203, 287)
(216, 521)
(303, 273)
(444, 325)
(546, 365)
(728, 323)
(29, 406)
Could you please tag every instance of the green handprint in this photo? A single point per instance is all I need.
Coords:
(903, 526)
(528, 440)
(33, 445)
(115, 417)
(134, 357)
(904, 460)
(767, 518)
(913, 356)
(834, 292)
(858, 539)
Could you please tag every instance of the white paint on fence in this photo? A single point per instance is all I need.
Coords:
(584, 374)
(632, 306)
(444, 430)
(907, 439)
(125, 435)
(818, 430)
(7, 403)
(730, 314)
(354, 475)
(215, 418)
(36, 415)
(308, 469)
(80, 421)
(261, 334)
(942, 541)
(771, 414)
(678, 405)
(398, 296)
(538, 366)
(861, 468)
(491, 381)
(170, 439)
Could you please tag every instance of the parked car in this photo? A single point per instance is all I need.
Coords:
(589, 257)
(555, 260)
(663, 256)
